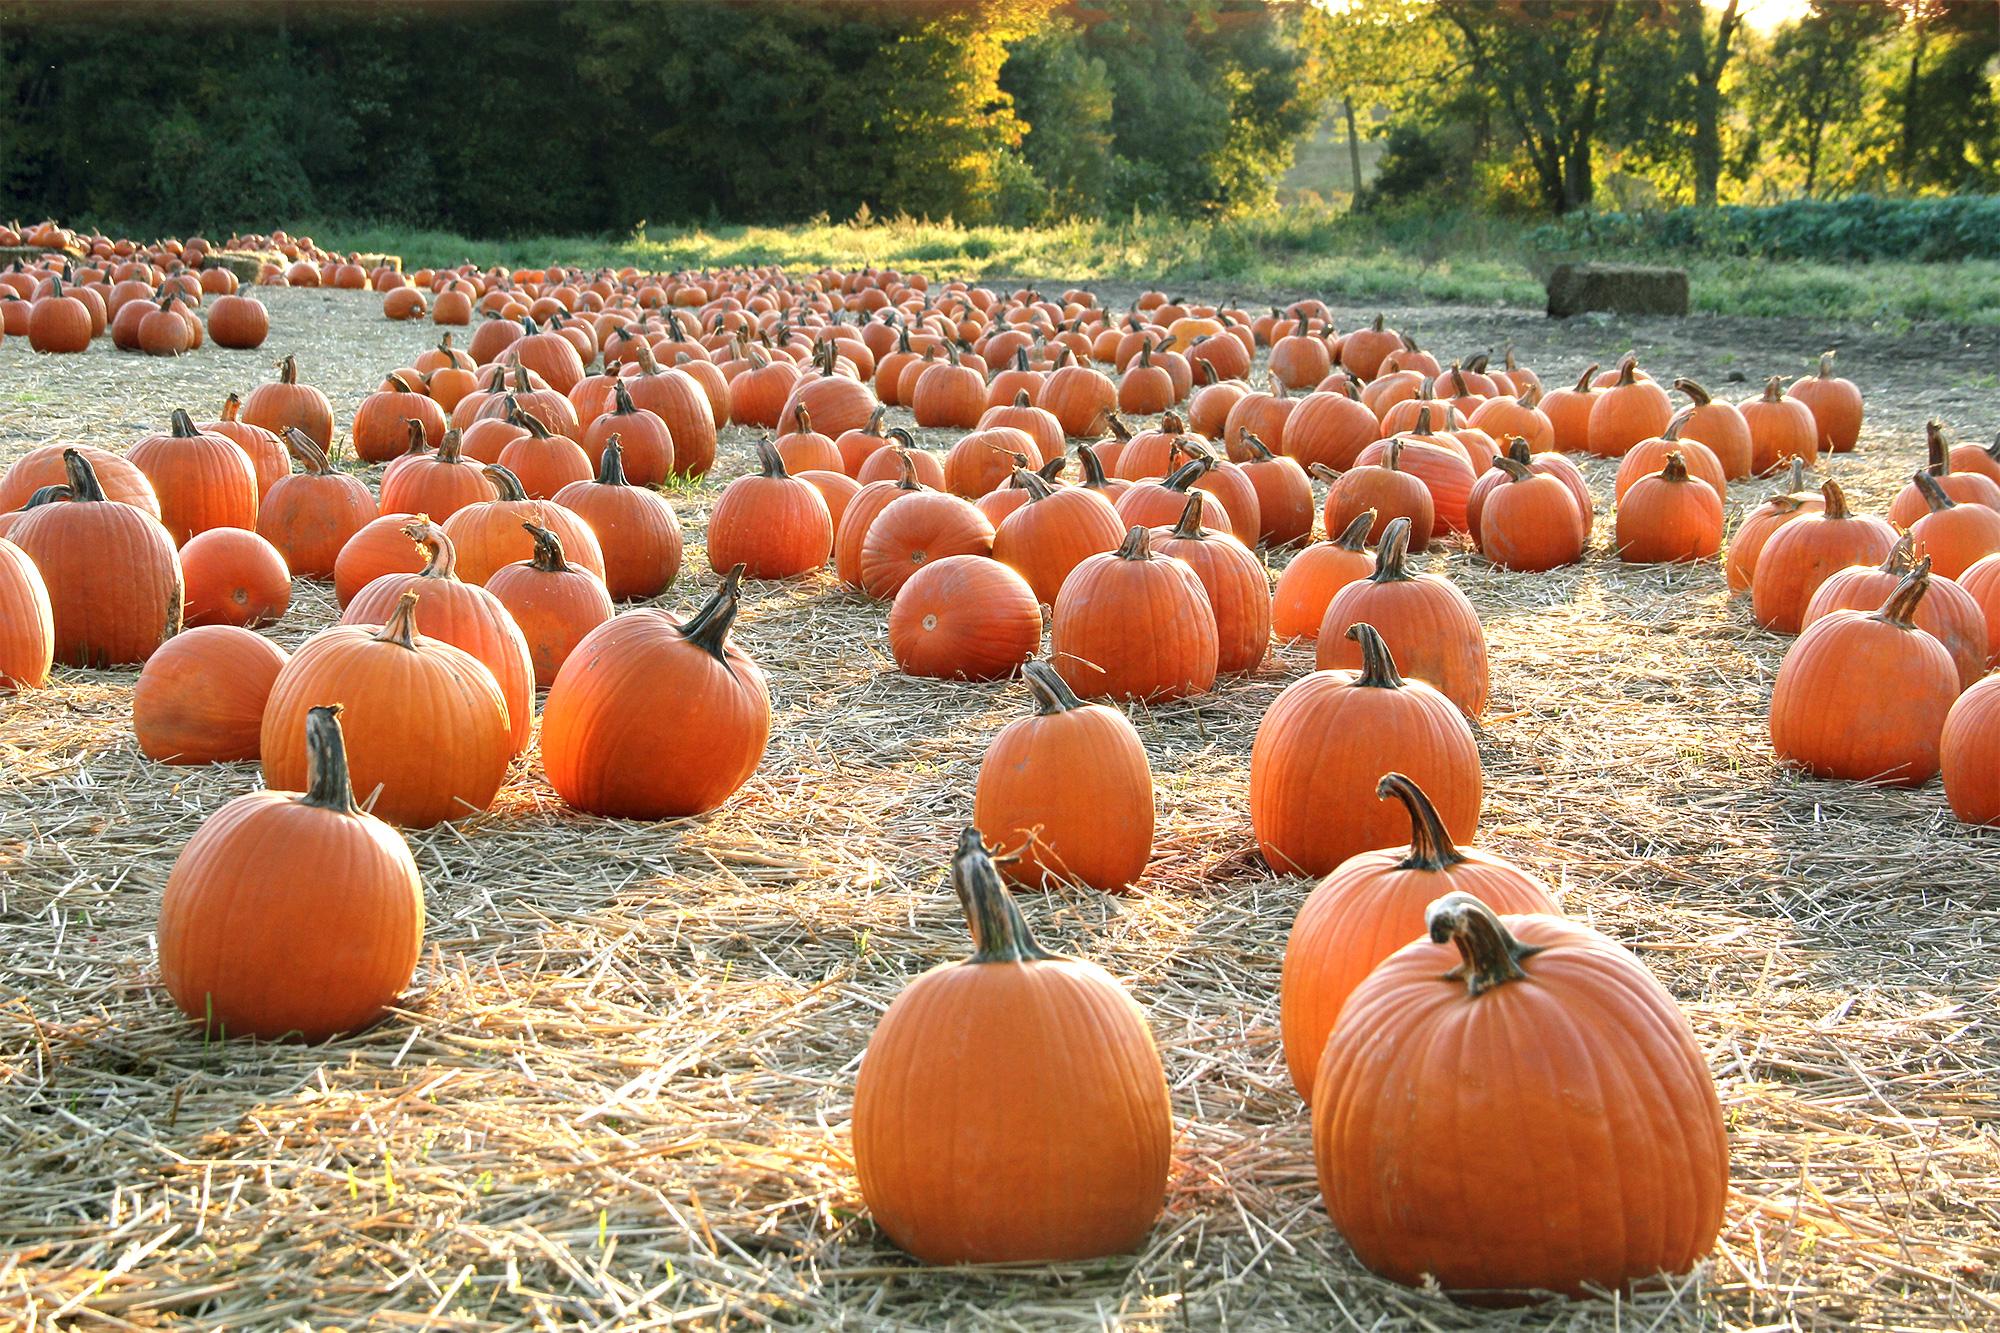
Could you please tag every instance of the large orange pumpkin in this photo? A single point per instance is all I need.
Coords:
(1668, 517)
(290, 405)
(1430, 626)
(916, 528)
(203, 481)
(27, 625)
(233, 577)
(1800, 556)
(251, 947)
(655, 718)
(1780, 428)
(1453, 1031)
(1238, 588)
(1630, 410)
(1969, 754)
(1011, 1107)
(775, 525)
(311, 515)
(489, 535)
(637, 528)
(200, 698)
(964, 617)
(1132, 625)
(555, 603)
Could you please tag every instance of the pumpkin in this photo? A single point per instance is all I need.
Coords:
(1834, 403)
(265, 451)
(653, 718)
(202, 481)
(950, 393)
(378, 548)
(1982, 582)
(1025, 801)
(1372, 905)
(163, 330)
(1386, 490)
(233, 577)
(648, 444)
(964, 617)
(1952, 536)
(1948, 613)
(238, 322)
(290, 405)
(1669, 517)
(1011, 1107)
(43, 467)
(1758, 525)
(864, 508)
(677, 399)
(1261, 414)
(1229, 486)
(915, 528)
(887, 464)
(1529, 521)
(1424, 1048)
(548, 354)
(985, 459)
(863, 442)
(1717, 424)
(1780, 428)
(757, 393)
(1362, 351)
(1323, 746)
(1503, 417)
(465, 615)
(27, 625)
(1973, 488)
(1969, 754)
(1132, 625)
(311, 516)
(59, 322)
(1800, 556)
(489, 535)
(1438, 461)
(438, 482)
(1239, 591)
(805, 449)
(1078, 397)
(1630, 410)
(1568, 411)
(1647, 457)
(542, 461)
(1054, 532)
(554, 603)
(427, 728)
(1983, 460)
(1428, 624)
(112, 576)
(200, 698)
(839, 402)
(773, 524)
(1208, 410)
(1309, 582)
(637, 528)
(1283, 492)
(381, 428)
(250, 947)
(1863, 696)
(1145, 388)
(1159, 503)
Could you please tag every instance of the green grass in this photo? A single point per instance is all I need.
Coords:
(1424, 256)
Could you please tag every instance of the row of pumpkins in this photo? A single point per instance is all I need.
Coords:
(514, 511)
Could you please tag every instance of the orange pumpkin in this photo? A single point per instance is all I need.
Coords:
(1780, 428)
(203, 481)
(200, 699)
(1969, 754)
(1309, 582)
(1835, 404)
(290, 405)
(1630, 410)
(964, 617)
(310, 516)
(915, 528)
(1669, 517)
(27, 625)
(1131, 625)
(489, 535)
(1239, 591)
(637, 528)
(1428, 624)
(1800, 556)
(773, 524)
(554, 603)
(1757, 526)
(233, 577)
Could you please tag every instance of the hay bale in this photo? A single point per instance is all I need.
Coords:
(245, 264)
(1623, 289)
(373, 262)
(31, 254)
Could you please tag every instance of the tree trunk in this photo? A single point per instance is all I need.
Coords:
(1353, 144)
(1707, 70)
(1909, 145)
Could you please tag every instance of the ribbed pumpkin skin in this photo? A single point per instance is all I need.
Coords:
(1008, 1112)
(310, 517)
(776, 526)
(1863, 700)
(1369, 907)
(915, 529)
(427, 725)
(1957, 538)
(1239, 592)
(555, 610)
(489, 535)
(1440, 466)
(1802, 555)
(965, 617)
(1330, 429)
(1629, 411)
(639, 533)
(112, 576)
(984, 460)
(1835, 404)
(1027, 804)
(1781, 428)
(378, 548)
(1390, 494)
(287, 403)
(1665, 520)
(1948, 613)
(1078, 397)
(233, 577)
(1308, 585)
(202, 481)
(1531, 524)
(200, 698)
(642, 723)
(1982, 582)
(836, 403)
(1431, 627)
(677, 399)
(436, 484)
(1613, 1163)
(252, 947)
(1046, 538)
(44, 467)
(27, 626)
(1755, 531)
(1969, 754)
(1134, 628)
(1324, 744)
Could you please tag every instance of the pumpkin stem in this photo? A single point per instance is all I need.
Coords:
(1901, 556)
(805, 421)
(1378, 667)
(548, 556)
(1392, 554)
(304, 448)
(47, 495)
(230, 407)
(1021, 398)
(1774, 389)
(1530, 397)
(611, 467)
(533, 424)
(1676, 468)
(1515, 469)
(288, 370)
(1138, 544)
(1836, 501)
(1699, 396)
(1355, 537)
(505, 482)
(83, 483)
(1430, 844)
(1052, 469)
(708, 629)
(1797, 479)
(1939, 455)
(999, 933)
(1189, 526)
(183, 424)
(1115, 427)
(1051, 692)
(1490, 955)
(1934, 494)
(1093, 467)
(450, 449)
(440, 556)
(1901, 608)
(1628, 370)
(769, 461)
(1260, 452)
(401, 627)
(1826, 364)
(1188, 473)
(397, 384)
(1518, 450)
(622, 404)
(1032, 483)
(1583, 380)
(328, 786)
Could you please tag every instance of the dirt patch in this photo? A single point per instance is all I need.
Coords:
(620, 1089)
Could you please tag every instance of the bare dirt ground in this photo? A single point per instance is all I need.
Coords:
(617, 1093)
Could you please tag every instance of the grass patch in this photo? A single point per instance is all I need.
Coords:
(1420, 257)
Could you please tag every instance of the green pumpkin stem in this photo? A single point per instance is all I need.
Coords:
(1490, 955)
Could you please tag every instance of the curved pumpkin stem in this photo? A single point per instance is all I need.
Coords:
(1515, 469)
(1138, 544)
(1378, 667)
(1093, 467)
(440, 556)
(83, 483)
(328, 786)
(708, 628)
(401, 627)
(999, 932)
(1490, 955)
(1115, 427)
(1934, 494)
(770, 462)
(1699, 396)
(548, 557)
(48, 495)
(1901, 556)
(1628, 370)
(1901, 608)
(1051, 692)
(1355, 537)
(1392, 554)
(1939, 453)
(304, 448)
(288, 370)
(1032, 483)
(1189, 528)
(1795, 481)
(1188, 473)
(1260, 452)
(230, 407)
(505, 482)
(1583, 380)
(611, 467)
(1836, 501)
(1431, 847)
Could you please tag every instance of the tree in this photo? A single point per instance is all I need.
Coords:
(1814, 81)
(1705, 58)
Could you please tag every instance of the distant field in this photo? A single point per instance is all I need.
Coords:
(1438, 257)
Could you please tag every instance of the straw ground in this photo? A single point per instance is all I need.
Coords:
(617, 1093)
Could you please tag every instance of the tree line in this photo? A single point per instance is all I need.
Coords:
(518, 117)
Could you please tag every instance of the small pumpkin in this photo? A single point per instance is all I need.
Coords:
(1132, 625)
(1309, 582)
(290, 405)
(543, 461)
(1973, 488)
(647, 443)
(1835, 404)
(200, 699)
(1529, 521)
(1718, 425)
(378, 548)
(1430, 626)
(555, 603)
(233, 577)
(1757, 526)
(1630, 410)
(964, 617)
(1670, 516)
(381, 427)
(311, 515)
(1388, 491)
(636, 527)
(1780, 428)
(1056, 530)
(489, 535)
(770, 522)
(1952, 536)
(265, 451)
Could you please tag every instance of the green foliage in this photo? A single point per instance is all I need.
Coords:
(1860, 228)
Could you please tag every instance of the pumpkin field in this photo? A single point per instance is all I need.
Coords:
(689, 806)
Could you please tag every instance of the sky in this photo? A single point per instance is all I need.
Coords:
(1765, 15)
